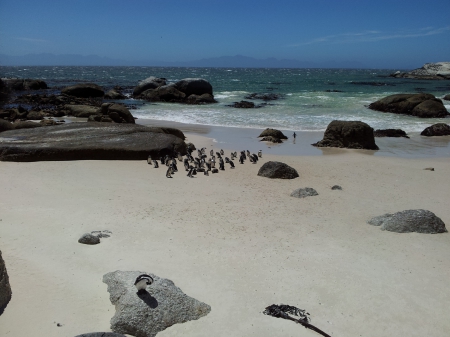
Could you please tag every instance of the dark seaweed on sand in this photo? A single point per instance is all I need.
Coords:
(288, 311)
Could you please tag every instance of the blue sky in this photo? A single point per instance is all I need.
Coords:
(379, 34)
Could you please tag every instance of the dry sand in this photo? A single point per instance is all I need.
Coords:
(233, 240)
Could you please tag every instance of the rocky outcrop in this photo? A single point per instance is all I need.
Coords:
(117, 112)
(429, 71)
(19, 84)
(273, 133)
(149, 83)
(5, 288)
(348, 134)
(84, 90)
(165, 93)
(25, 125)
(415, 220)
(160, 307)
(5, 125)
(419, 105)
(194, 86)
(35, 115)
(304, 192)
(277, 170)
(390, 133)
(88, 141)
(114, 94)
(447, 97)
(439, 129)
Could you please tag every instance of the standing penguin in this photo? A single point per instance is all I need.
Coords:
(142, 281)
(169, 172)
(149, 160)
(260, 153)
(221, 164)
(155, 164)
(231, 164)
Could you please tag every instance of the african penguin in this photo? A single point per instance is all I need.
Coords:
(155, 163)
(149, 160)
(260, 153)
(142, 281)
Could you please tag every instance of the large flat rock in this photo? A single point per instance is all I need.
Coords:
(89, 141)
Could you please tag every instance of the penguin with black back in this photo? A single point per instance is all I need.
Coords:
(141, 283)
(155, 164)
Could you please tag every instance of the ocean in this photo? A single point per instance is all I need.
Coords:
(310, 98)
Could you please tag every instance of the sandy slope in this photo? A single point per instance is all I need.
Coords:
(234, 240)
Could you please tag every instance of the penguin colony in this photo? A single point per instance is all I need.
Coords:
(203, 163)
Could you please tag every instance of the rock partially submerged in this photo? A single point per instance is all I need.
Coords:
(390, 133)
(277, 170)
(19, 84)
(84, 90)
(414, 220)
(429, 71)
(348, 134)
(89, 141)
(304, 192)
(273, 133)
(264, 96)
(439, 129)
(151, 82)
(5, 288)
(160, 307)
(419, 105)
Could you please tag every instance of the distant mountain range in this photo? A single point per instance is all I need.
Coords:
(237, 61)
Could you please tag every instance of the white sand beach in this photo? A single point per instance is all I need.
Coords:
(233, 240)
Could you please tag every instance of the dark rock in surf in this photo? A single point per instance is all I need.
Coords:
(84, 90)
(194, 86)
(447, 97)
(158, 308)
(264, 96)
(273, 133)
(19, 84)
(419, 105)
(149, 83)
(439, 129)
(165, 93)
(348, 134)
(390, 133)
(201, 99)
(304, 192)
(277, 170)
(415, 220)
(114, 94)
(243, 105)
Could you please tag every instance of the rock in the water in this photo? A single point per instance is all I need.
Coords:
(439, 129)
(5, 125)
(273, 133)
(390, 133)
(144, 315)
(151, 82)
(415, 220)
(243, 105)
(84, 90)
(194, 86)
(89, 141)
(25, 84)
(348, 134)
(304, 192)
(264, 96)
(201, 99)
(5, 288)
(271, 139)
(276, 169)
(165, 93)
(336, 187)
(419, 105)
(429, 71)
(447, 97)
(89, 239)
(114, 94)
(101, 334)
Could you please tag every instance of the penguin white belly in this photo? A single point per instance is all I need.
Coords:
(142, 284)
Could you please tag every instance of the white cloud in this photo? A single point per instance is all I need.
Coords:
(27, 39)
(374, 35)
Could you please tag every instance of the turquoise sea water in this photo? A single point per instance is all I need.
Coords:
(306, 105)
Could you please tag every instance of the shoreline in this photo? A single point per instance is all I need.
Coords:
(236, 139)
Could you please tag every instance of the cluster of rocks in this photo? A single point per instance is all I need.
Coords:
(419, 105)
(188, 91)
(94, 237)
(272, 135)
(429, 71)
(19, 84)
